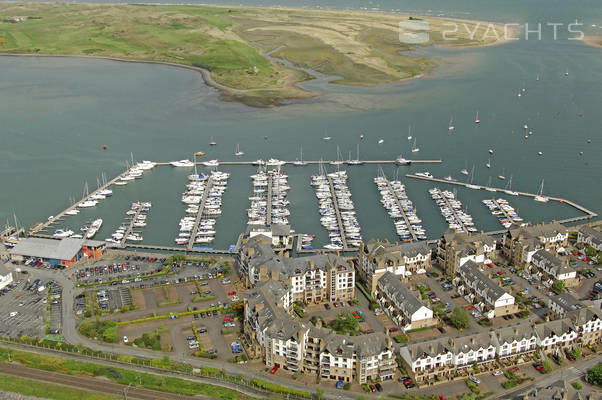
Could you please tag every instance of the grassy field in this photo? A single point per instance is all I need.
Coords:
(120, 375)
(362, 48)
(30, 387)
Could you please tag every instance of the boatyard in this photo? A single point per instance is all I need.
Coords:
(269, 205)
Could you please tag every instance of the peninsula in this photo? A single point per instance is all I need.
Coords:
(228, 44)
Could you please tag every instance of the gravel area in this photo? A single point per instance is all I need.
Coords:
(17, 396)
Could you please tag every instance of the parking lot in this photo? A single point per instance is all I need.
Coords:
(55, 323)
(23, 307)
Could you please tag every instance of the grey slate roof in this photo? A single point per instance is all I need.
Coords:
(377, 248)
(484, 285)
(592, 233)
(508, 334)
(400, 295)
(540, 230)
(63, 249)
(552, 262)
(549, 328)
(566, 302)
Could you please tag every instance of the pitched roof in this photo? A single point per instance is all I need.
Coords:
(484, 285)
(378, 248)
(540, 230)
(399, 294)
(566, 302)
(508, 334)
(550, 328)
(551, 262)
(592, 233)
(63, 249)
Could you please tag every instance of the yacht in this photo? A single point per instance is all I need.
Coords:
(326, 138)
(211, 163)
(274, 162)
(477, 120)
(182, 163)
(540, 197)
(62, 233)
(87, 204)
(539, 153)
(451, 126)
(357, 158)
(414, 148)
(93, 228)
(502, 176)
(409, 133)
(488, 165)
(237, 152)
(464, 172)
(299, 162)
(490, 151)
(258, 162)
(381, 141)
(212, 142)
(74, 211)
(402, 161)
(425, 174)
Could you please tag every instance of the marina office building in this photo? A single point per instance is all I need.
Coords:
(65, 252)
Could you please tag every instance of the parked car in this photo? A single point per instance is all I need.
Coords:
(538, 366)
(372, 388)
(125, 339)
(378, 387)
(498, 373)
(474, 379)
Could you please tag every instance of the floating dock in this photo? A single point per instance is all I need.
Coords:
(337, 212)
(130, 228)
(589, 213)
(315, 162)
(199, 214)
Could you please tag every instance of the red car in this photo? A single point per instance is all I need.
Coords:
(538, 366)
(373, 388)
(273, 370)
(500, 273)
(515, 369)
(490, 265)
(393, 330)
(231, 293)
(355, 314)
(228, 319)
(469, 308)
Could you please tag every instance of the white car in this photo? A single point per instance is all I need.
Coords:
(474, 379)
(498, 373)
(125, 339)
(12, 314)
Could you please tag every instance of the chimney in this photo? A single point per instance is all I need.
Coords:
(432, 348)
(311, 264)
(473, 340)
(515, 331)
(319, 323)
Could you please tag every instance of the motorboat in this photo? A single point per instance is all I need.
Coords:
(63, 233)
(182, 163)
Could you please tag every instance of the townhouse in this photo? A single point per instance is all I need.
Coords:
(560, 305)
(552, 268)
(313, 279)
(590, 236)
(588, 324)
(521, 242)
(456, 248)
(487, 297)
(554, 336)
(403, 260)
(516, 341)
(401, 305)
(442, 359)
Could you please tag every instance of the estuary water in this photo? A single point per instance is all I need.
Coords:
(56, 114)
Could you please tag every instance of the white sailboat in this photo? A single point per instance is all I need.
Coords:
(477, 120)
(470, 185)
(409, 132)
(299, 162)
(540, 197)
(451, 126)
(508, 189)
(464, 171)
(488, 165)
(502, 176)
(414, 148)
(357, 158)
(237, 152)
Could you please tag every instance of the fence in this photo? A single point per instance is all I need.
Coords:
(178, 368)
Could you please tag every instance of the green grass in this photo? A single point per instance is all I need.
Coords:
(360, 48)
(121, 375)
(101, 330)
(28, 387)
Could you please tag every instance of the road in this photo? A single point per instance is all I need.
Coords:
(71, 335)
(569, 373)
(90, 383)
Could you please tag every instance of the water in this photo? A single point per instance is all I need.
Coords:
(57, 113)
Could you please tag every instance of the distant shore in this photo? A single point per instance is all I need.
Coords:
(225, 44)
(595, 41)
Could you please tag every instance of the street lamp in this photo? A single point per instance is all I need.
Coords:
(125, 391)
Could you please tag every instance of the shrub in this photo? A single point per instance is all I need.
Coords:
(347, 386)
(577, 385)
(459, 318)
(102, 330)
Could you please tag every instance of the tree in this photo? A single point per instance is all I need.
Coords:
(345, 322)
(459, 318)
(559, 286)
(594, 375)
(547, 366)
(319, 394)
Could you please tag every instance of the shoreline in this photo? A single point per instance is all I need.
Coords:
(290, 91)
(593, 41)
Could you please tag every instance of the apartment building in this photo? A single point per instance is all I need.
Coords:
(283, 341)
(401, 305)
(456, 248)
(279, 235)
(485, 294)
(552, 268)
(377, 257)
(313, 279)
(521, 242)
(590, 236)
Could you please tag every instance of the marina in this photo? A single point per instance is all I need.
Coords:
(451, 210)
(503, 211)
(400, 208)
(269, 205)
